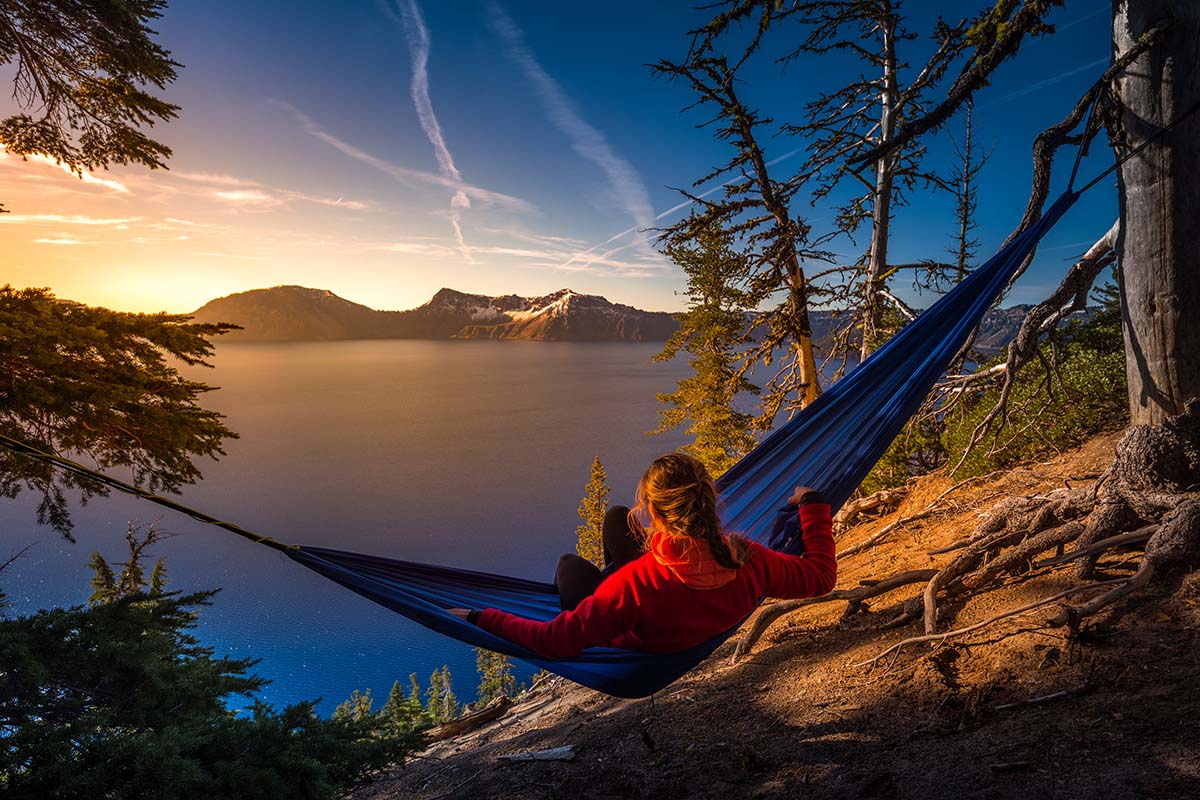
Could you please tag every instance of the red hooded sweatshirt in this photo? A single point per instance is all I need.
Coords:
(675, 597)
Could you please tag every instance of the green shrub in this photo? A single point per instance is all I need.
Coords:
(1052, 410)
(1046, 413)
(119, 699)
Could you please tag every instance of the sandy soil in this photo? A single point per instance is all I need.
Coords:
(797, 718)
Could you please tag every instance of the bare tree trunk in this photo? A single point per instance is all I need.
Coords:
(964, 250)
(881, 212)
(809, 379)
(1159, 193)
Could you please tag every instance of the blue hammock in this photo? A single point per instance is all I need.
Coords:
(832, 445)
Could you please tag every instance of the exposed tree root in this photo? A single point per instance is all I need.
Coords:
(1149, 494)
(935, 507)
(1120, 540)
(941, 637)
(855, 597)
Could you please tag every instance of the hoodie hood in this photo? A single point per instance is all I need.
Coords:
(691, 561)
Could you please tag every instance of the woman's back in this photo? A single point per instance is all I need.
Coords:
(661, 603)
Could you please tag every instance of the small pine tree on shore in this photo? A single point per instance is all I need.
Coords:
(402, 714)
(495, 676)
(440, 703)
(592, 509)
(357, 707)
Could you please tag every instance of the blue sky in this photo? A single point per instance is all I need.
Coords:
(385, 149)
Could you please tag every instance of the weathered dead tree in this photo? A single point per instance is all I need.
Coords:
(1070, 296)
(1160, 206)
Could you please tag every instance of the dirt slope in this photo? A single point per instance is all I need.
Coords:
(796, 718)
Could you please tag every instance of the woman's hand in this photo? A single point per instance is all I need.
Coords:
(461, 613)
(799, 494)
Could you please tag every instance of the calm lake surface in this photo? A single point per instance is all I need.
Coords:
(467, 453)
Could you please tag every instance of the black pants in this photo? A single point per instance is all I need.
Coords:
(577, 578)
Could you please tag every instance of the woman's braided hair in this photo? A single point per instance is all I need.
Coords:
(679, 490)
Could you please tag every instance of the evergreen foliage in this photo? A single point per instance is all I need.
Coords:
(495, 676)
(711, 333)
(403, 713)
(593, 507)
(118, 699)
(357, 707)
(440, 703)
(87, 68)
(1081, 391)
(100, 384)
(964, 183)
(918, 449)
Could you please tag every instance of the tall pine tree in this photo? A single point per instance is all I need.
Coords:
(592, 509)
(711, 332)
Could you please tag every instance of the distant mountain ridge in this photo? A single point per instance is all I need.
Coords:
(297, 313)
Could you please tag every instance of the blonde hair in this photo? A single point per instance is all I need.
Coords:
(680, 492)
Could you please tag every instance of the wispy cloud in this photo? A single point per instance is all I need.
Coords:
(587, 255)
(537, 238)
(63, 219)
(59, 240)
(419, 45)
(406, 175)
(235, 256)
(212, 178)
(254, 198)
(332, 202)
(625, 182)
(418, 249)
(1037, 86)
(83, 175)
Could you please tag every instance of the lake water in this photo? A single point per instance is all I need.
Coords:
(467, 453)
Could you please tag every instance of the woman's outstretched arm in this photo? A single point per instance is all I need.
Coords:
(814, 573)
(596, 621)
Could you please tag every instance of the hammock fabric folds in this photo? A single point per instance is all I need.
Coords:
(831, 445)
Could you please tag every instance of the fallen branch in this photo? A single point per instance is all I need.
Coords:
(873, 589)
(459, 785)
(886, 499)
(891, 527)
(1035, 701)
(950, 548)
(469, 722)
(564, 753)
(1073, 615)
(941, 637)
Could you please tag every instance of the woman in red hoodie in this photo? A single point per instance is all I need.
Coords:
(681, 585)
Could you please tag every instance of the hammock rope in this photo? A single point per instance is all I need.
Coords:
(831, 444)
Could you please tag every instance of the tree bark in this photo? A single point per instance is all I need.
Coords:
(881, 212)
(1159, 192)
